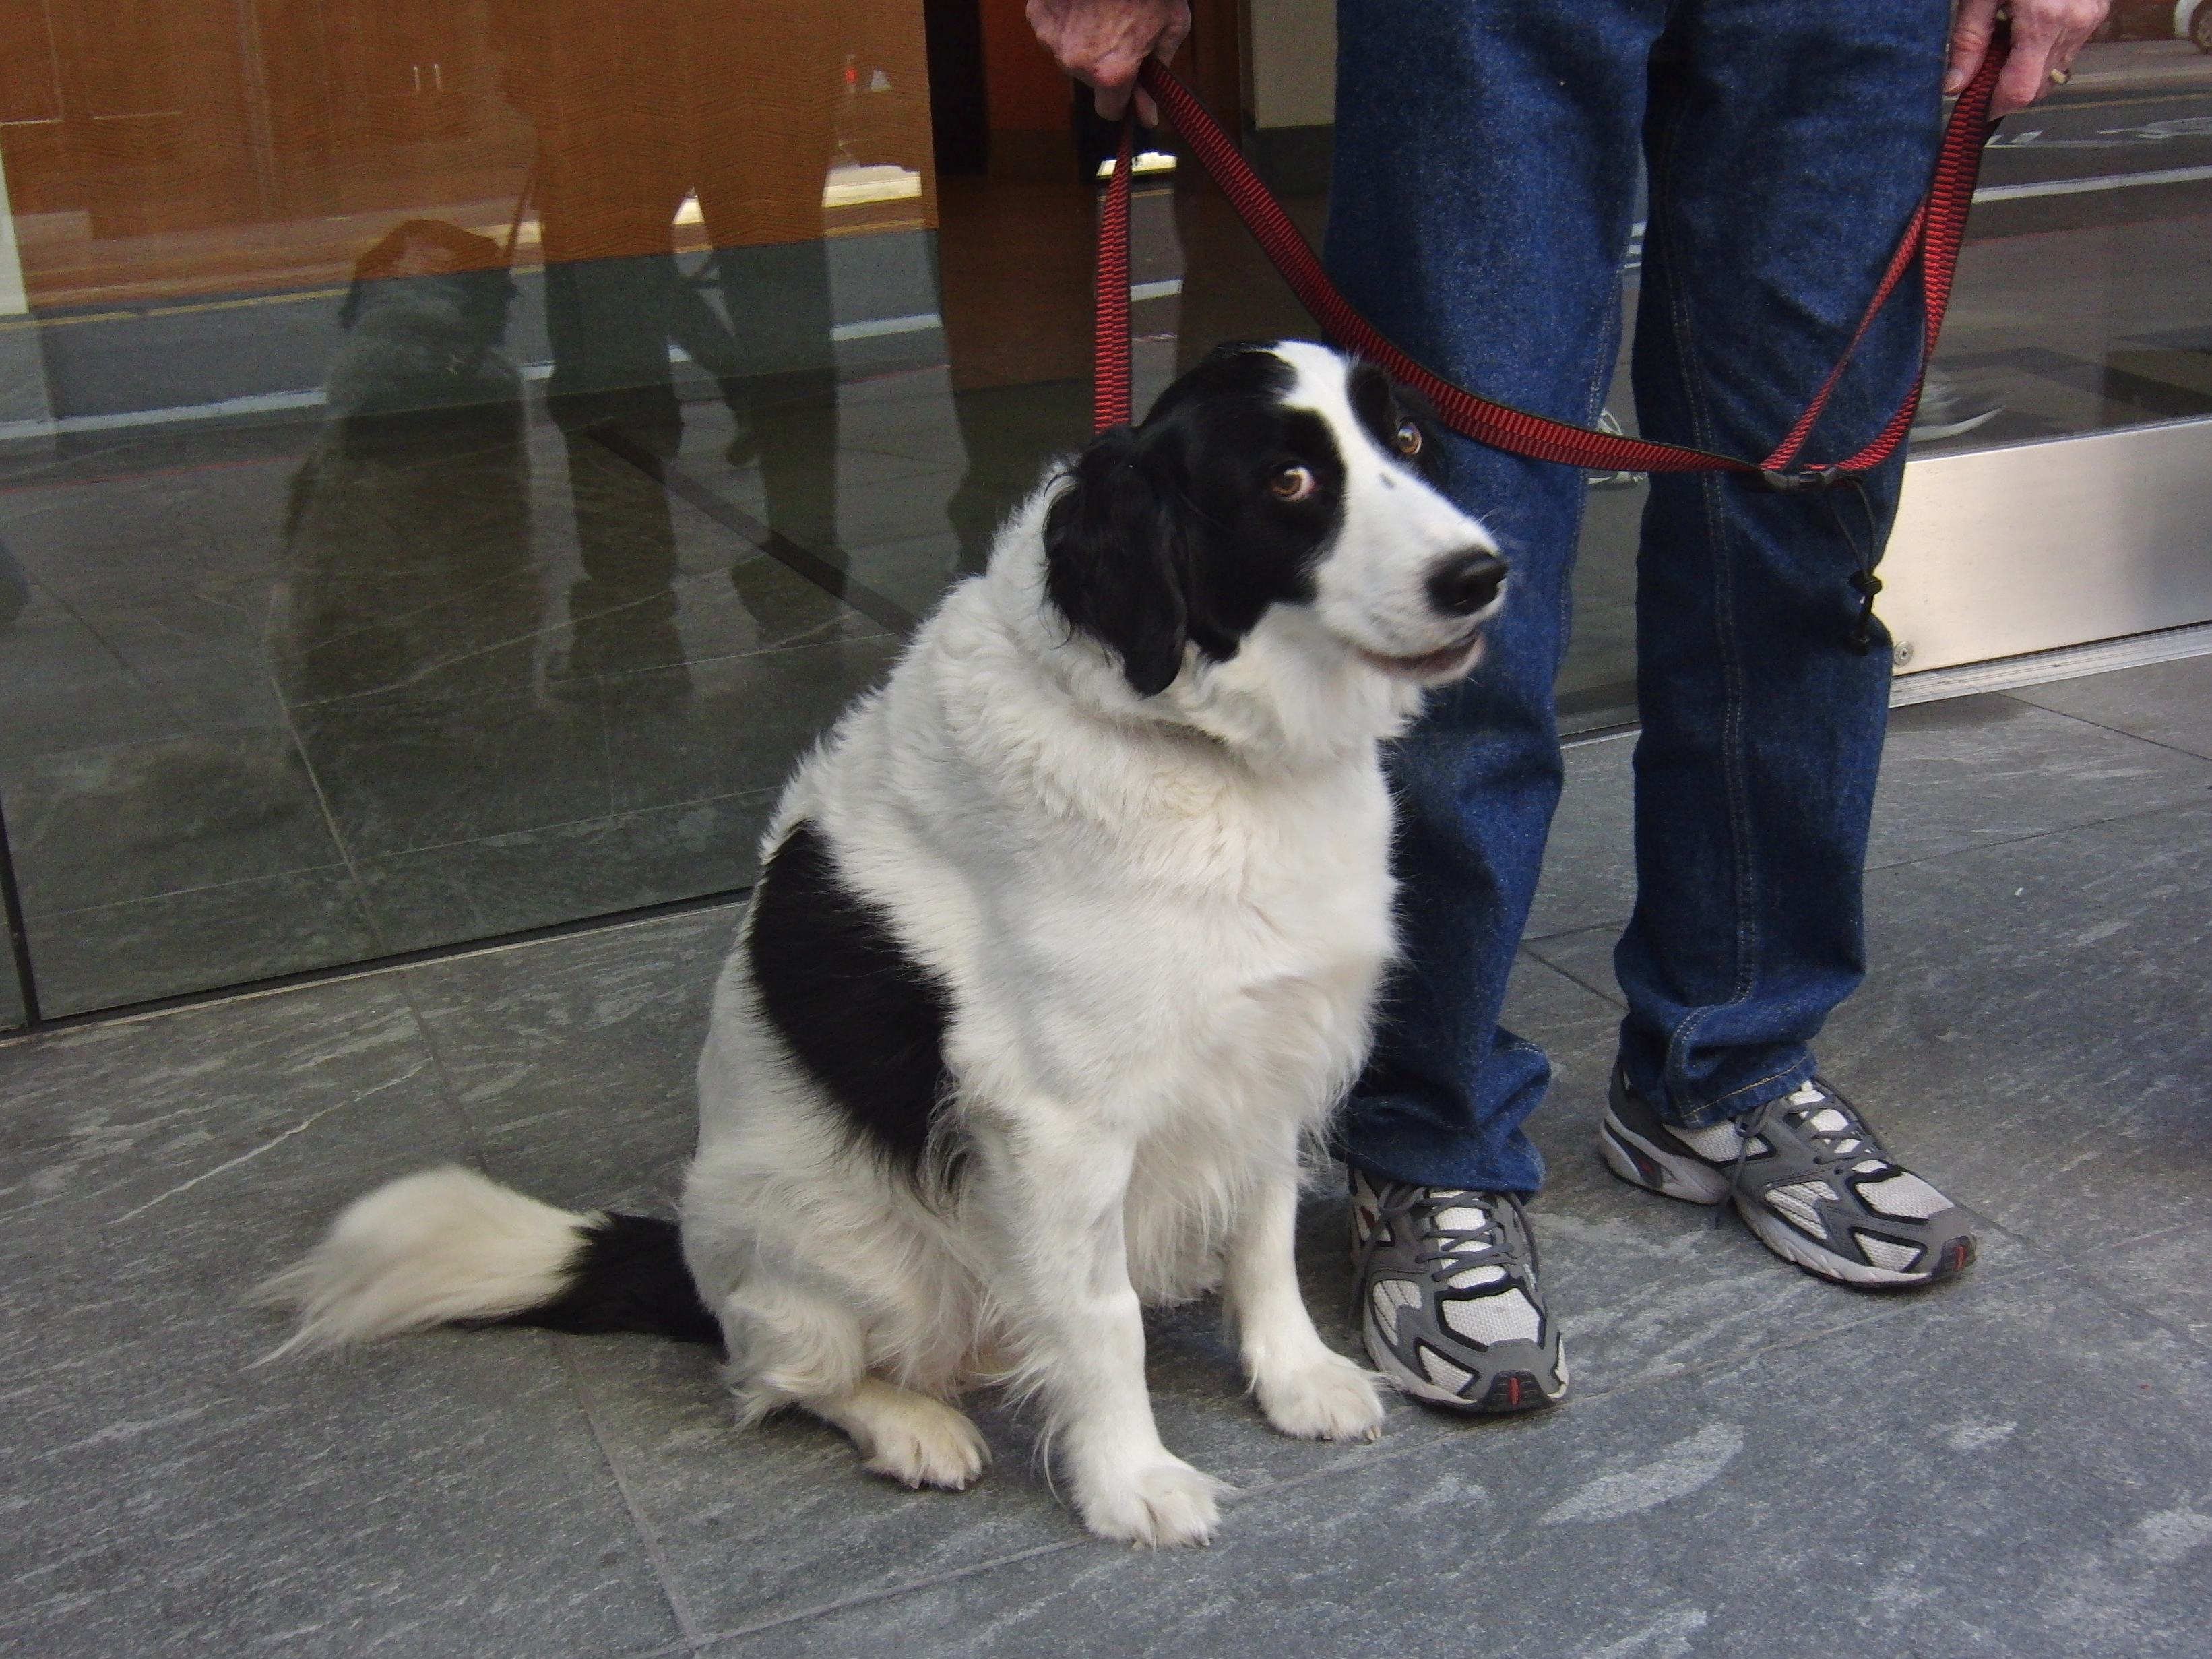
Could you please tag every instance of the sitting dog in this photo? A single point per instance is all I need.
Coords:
(1067, 941)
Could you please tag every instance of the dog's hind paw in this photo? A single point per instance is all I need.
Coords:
(1329, 1398)
(1163, 1505)
(911, 1438)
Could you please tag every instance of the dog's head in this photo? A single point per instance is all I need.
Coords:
(1271, 475)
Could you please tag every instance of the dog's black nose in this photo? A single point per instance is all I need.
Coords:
(1463, 583)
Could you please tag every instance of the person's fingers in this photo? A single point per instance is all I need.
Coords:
(1102, 43)
(1971, 34)
(2046, 36)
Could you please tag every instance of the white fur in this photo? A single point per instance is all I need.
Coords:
(424, 1250)
(1163, 921)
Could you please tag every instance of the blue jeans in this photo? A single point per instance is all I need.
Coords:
(1485, 184)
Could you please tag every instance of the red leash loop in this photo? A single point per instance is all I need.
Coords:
(1932, 240)
(1109, 335)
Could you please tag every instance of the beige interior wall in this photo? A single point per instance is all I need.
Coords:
(1293, 58)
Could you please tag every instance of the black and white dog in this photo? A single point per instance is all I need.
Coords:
(1068, 942)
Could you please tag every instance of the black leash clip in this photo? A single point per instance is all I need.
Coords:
(1812, 478)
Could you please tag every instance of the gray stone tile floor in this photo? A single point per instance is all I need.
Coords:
(1751, 1463)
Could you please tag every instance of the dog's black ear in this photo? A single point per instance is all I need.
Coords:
(1116, 558)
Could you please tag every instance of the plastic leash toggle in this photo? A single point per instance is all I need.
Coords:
(1806, 478)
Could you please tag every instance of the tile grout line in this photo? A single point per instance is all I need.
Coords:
(1608, 998)
(976, 1570)
(1530, 940)
(680, 1605)
(2035, 835)
(2099, 726)
(330, 821)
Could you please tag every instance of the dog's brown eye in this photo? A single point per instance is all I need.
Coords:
(1407, 438)
(1292, 483)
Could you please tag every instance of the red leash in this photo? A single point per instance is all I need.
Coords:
(1932, 240)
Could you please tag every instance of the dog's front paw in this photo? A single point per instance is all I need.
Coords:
(1162, 1505)
(1328, 1398)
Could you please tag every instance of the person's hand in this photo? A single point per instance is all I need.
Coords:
(2045, 35)
(1104, 43)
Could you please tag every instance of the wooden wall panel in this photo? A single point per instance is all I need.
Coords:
(196, 146)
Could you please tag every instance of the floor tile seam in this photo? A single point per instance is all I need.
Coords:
(763, 791)
(737, 1633)
(76, 614)
(875, 630)
(17, 1038)
(1611, 998)
(447, 603)
(2038, 835)
(551, 631)
(1603, 922)
(339, 863)
(456, 1102)
(2100, 726)
(2171, 1230)
(680, 1605)
(2118, 1297)
(329, 819)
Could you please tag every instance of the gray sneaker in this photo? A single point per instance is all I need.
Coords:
(1448, 1297)
(1807, 1175)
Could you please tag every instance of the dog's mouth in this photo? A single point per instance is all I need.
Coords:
(1448, 663)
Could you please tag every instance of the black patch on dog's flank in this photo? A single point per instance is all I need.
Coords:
(862, 1016)
(630, 1275)
(1168, 534)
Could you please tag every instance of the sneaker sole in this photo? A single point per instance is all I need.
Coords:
(1640, 1163)
(1637, 1162)
(1509, 1391)
(1793, 1247)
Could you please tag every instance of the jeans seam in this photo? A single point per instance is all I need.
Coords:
(1701, 426)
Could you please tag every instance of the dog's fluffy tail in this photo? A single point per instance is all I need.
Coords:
(448, 1246)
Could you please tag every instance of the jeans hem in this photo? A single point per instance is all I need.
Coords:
(1731, 1106)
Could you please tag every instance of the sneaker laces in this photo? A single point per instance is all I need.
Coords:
(1845, 1139)
(1455, 1249)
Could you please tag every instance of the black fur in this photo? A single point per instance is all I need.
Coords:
(630, 1276)
(1168, 534)
(862, 1016)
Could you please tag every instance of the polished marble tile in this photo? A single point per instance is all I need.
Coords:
(189, 940)
(14, 1009)
(1966, 773)
(411, 561)
(2167, 703)
(565, 871)
(2168, 1275)
(913, 572)
(2025, 1037)
(1978, 770)
(404, 770)
(732, 725)
(61, 688)
(1779, 1505)
(574, 1058)
(99, 826)
(1590, 863)
(440, 1495)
